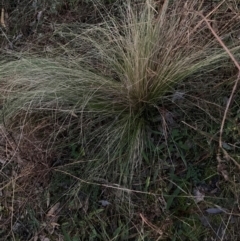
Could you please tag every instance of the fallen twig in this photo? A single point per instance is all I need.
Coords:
(220, 147)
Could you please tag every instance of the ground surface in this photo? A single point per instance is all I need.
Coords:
(186, 187)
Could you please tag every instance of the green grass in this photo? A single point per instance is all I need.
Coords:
(114, 110)
(129, 113)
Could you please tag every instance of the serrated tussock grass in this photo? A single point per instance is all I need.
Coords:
(105, 99)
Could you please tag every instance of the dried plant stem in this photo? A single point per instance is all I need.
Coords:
(208, 15)
(220, 148)
(152, 226)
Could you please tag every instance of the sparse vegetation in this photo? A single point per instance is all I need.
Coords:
(111, 126)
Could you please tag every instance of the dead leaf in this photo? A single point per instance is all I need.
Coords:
(52, 223)
(226, 146)
(177, 96)
(198, 196)
(53, 210)
(35, 238)
(2, 161)
(55, 224)
(2, 19)
(221, 168)
(48, 199)
(73, 114)
(214, 210)
(225, 174)
(43, 238)
(39, 15)
(104, 203)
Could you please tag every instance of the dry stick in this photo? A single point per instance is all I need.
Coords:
(232, 93)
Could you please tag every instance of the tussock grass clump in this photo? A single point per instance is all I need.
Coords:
(135, 100)
(106, 100)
